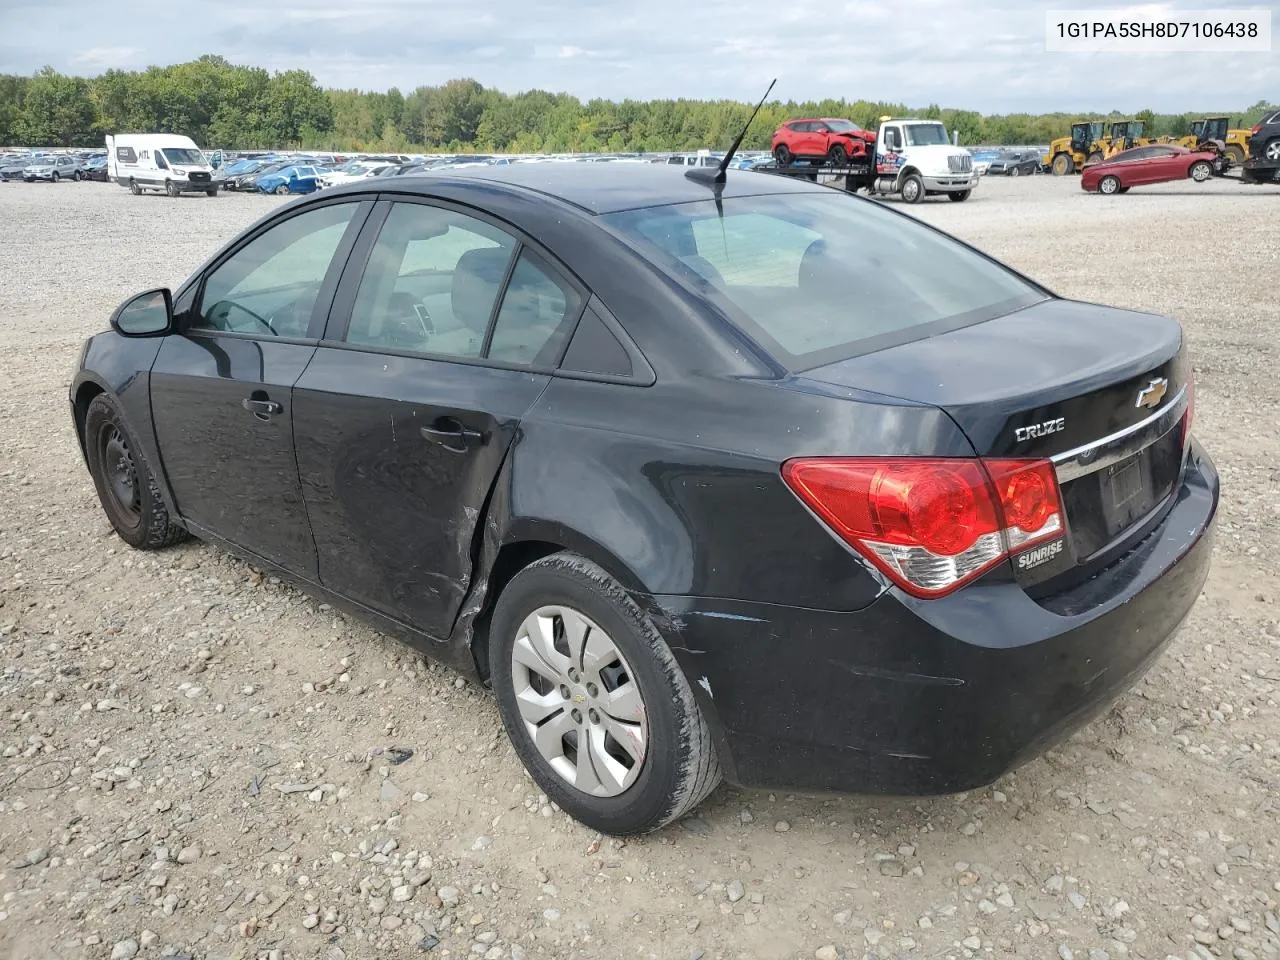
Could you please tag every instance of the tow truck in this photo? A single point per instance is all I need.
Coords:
(909, 157)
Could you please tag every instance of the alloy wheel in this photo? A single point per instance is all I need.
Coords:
(579, 700)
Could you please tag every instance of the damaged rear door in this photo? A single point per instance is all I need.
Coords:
(443, 333)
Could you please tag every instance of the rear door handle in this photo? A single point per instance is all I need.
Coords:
(453, 435)
(262, 409)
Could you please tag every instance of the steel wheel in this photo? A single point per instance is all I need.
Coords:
(121, 473)
(579, 701)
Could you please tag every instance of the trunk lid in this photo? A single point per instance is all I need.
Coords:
(1098, 390)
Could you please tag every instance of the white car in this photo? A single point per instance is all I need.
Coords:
(352, 173)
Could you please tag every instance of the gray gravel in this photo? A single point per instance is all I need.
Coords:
(188, 748)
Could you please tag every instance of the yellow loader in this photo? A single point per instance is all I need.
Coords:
(1068, 154)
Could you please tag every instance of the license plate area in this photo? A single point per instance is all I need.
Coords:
(1103, 504)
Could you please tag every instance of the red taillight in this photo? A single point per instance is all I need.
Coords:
(1256, 128)
(931, 524)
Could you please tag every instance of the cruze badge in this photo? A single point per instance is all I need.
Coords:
(1039, 429)
(1151, 395)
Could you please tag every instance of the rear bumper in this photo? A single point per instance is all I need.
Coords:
(912, 697)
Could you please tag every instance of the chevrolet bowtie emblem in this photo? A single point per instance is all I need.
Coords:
(1151, 395)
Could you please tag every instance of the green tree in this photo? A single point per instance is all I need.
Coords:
(56, 111)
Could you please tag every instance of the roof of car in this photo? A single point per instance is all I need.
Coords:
(610, 187)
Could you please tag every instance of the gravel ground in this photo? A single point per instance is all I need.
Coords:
(197, 763)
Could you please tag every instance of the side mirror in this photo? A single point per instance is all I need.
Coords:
(148, 314)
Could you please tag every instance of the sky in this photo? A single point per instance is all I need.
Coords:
(990, 58)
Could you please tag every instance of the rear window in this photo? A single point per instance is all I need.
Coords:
(817, 278)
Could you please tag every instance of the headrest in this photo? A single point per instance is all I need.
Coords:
(476, 281)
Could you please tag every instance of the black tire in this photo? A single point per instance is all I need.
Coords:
(912, 188)
(1272, 149)
(1236, 153)
(1123, 190)
(54, 177)
(1109, 185)
(960, 196)
(1094, 157)
(1201, 171)
(838, 156)
(117, 465)
(212, 192)
(1063, 164)
(782, 155)
(679, 768)
(1015, 171)
(76, 176)
(134, 188)
(171, 188)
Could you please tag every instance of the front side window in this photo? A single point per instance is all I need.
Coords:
(432, 282)
(269, 286)
(815, 278)
(926, 134)
(843, 126)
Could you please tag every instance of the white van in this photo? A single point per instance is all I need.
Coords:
(159, 161)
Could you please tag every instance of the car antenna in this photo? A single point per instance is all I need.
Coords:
(704, 174)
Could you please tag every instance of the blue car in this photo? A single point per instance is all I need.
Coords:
(295, 179)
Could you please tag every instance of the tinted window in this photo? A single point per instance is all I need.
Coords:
(594, 349)
(126, 155)
(269, 286)
(815, 277)
(537, 314)
(431, 283)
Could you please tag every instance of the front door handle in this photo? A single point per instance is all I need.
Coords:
(453, 435)
(262, 409)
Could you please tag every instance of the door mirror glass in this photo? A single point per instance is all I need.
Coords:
(148, 314)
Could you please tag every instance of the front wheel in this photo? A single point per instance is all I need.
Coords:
(171, 188)
(1201, 171)
(960, 196)
(212, 192)
(54, 178)
(838, 156)
(126, 486)
(596, 706)
(1095, 157)
(912, 188)
(282, 189)
(1109, 185)
(76, 176)
(1015, 172)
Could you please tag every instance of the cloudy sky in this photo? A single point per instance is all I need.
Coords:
(989, 58)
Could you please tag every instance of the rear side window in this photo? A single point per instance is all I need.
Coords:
(816, 278)
(537, 314)
(126, 155)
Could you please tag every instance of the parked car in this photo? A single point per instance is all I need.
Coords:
(95, 168)
(249, 181)
(546, 426)
(982, 158)
(11, 166)
(1014, 163)
(827, 139)
(1264, 138)
(53, 169)
(1138, 166)
(292, 179)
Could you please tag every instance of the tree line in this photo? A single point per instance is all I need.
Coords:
(223, 105)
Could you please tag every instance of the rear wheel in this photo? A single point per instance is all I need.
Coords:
(1063, 164)
(134, 188)
(1094, 157)
(126, 486)
(595, 704)
(1109, 185)
(1236, 154)
(1272, 150)
(960, 196)
(782, 155)
(912, 188)
(1201, 171)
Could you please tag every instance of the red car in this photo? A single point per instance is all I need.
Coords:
(824, 138)
(1158, 163)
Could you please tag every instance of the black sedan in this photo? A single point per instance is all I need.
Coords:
(753, 480)
(1014, 163)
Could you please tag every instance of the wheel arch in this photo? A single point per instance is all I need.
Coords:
(85, 392)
